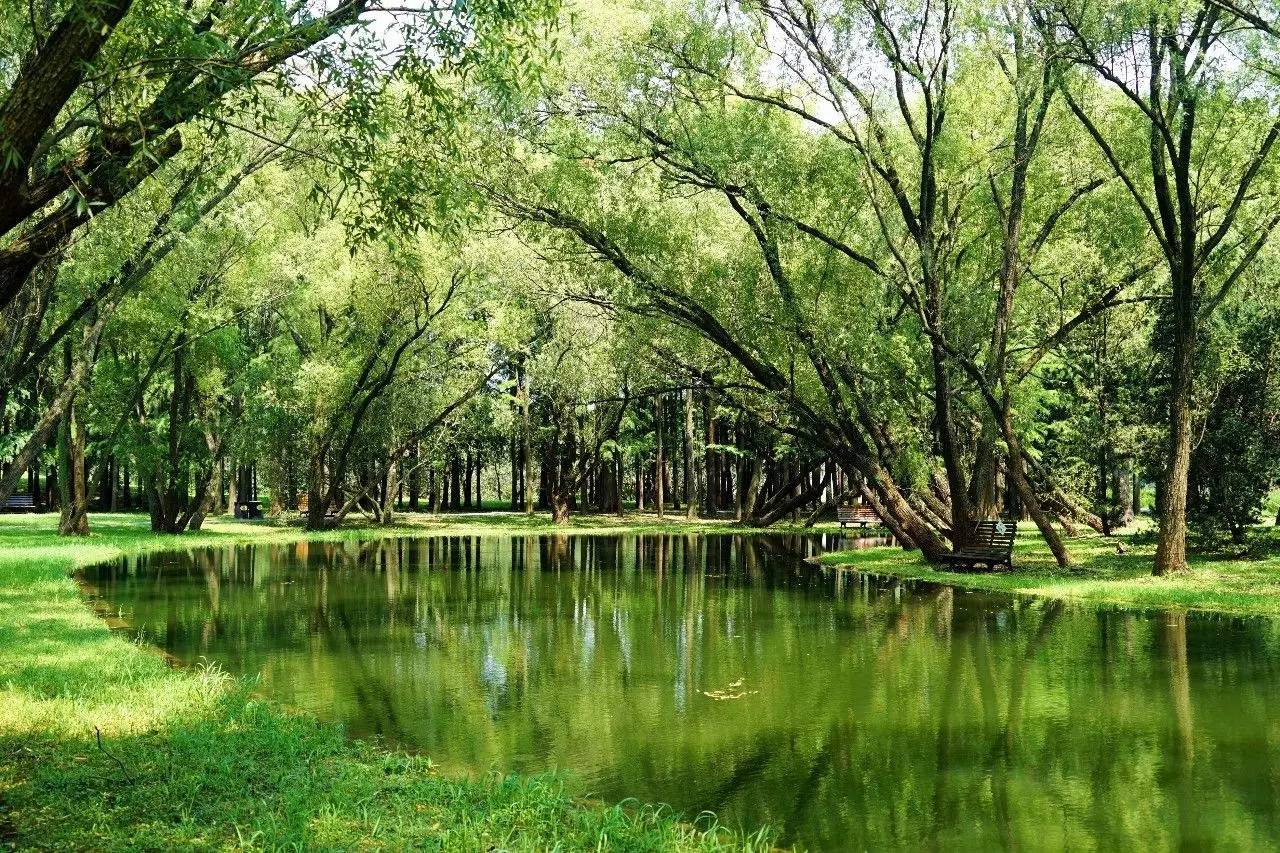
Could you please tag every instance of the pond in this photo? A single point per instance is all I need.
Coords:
(724, 673)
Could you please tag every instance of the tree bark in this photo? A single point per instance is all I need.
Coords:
(660, 472)
(1171, 547)
(690, 475)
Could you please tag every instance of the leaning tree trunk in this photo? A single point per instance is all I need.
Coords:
(1017, 473)
(210, 486)
(899, 532)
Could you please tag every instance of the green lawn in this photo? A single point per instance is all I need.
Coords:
(187, 759)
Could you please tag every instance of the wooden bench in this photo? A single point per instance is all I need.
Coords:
(862, 515)
(20, 503)
(992, 546)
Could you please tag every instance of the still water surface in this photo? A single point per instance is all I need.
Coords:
(723, 673)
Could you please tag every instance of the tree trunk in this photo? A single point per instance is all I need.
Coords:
(660, 472)
(690, 473)
(1171, 548)
(415, 478)
(233, 488)
(962, 521)
(1027, 494)
(710, 479)
(317, 493)
(74, 519)
(528, 442)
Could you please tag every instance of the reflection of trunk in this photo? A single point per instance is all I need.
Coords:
(944, 806)
(985, 669)
(1175, 642)
(1013, 721)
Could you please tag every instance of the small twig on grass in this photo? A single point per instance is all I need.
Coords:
(125, 770)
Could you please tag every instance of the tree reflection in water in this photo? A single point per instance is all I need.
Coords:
(725, 673)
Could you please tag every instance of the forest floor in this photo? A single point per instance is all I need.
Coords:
(105, 746)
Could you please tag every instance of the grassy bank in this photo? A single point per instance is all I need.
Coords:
(1114, 571)
(104, 746)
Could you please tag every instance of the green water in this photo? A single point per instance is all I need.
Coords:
(723, 673)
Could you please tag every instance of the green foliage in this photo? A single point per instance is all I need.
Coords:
(1237, 459)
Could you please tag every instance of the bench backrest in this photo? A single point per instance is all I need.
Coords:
(20, 501)
(856, 513)
(988, 534)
